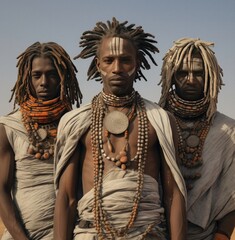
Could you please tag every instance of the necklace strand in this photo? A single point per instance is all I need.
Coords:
(102, 223)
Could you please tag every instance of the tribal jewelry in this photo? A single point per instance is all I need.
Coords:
(184, 108)
(115, 101)
(102, 223)
(121, 159)
(40, 119)
(192, 127)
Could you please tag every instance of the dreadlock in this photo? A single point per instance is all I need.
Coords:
(66, 70)
(91, 41)
(213, 72)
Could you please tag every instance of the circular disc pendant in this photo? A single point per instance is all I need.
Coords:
(116, 122)
(42, 133)
(193, 141)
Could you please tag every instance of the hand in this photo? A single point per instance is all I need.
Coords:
(220, 236)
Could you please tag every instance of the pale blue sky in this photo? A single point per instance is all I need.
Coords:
(23, 22)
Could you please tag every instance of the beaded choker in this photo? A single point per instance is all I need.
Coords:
(114, 101)
(185, 109)
(102, 223)
(40, 119)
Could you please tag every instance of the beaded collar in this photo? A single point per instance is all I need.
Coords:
(192, 127)
(40, 119)
(112, 100)
(103, 226)
(186, 109)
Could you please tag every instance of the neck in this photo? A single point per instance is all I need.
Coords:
(115, 101)
(186, 109)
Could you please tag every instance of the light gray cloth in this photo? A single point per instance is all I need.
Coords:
(75, 123)
(33, 191)
(119, 188)
(213, 195)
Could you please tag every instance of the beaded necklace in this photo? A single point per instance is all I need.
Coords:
(192, 128)
(40, 119)
(103, 225)
(184, 108)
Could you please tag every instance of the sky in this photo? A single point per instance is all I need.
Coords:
(23, 22)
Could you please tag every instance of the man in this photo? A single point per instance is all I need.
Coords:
(111, 153)
(46, 88)
(191, 80)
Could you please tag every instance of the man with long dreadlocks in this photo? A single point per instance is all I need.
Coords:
(109, 153)
(191, 80)
(46, 89)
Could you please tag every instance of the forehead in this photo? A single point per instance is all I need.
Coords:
(195, 62)
(116, 46)
(42, 62)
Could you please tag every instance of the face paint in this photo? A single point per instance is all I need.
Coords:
(116, 46)
(103, 72)
(128, 73)
(131, 71)
(195, 64)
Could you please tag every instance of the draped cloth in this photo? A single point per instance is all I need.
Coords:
(213, 195)
(76, 122)
(33, 190)
(119, 188)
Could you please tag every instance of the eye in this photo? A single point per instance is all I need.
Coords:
(108, 60)
(36, 75)
(199, 74)
(181, 74)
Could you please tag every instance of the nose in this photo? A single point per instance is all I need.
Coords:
(190, 77)
(117, 66)
(43, 80)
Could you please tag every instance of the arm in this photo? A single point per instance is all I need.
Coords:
(174, 201)
(174, 204)
(225, 227)
(66, 200)
(7, 208)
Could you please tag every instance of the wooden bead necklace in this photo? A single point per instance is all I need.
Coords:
(40, 119)
(41, 137)
(102, 223)
(192, 130)
(121, 159)
(184, 108)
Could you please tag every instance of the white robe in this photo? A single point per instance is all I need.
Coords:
(33, 190)
(213, 195)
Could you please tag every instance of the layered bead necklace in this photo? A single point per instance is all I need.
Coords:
(99, 112)
(192, 128)
(40, 119)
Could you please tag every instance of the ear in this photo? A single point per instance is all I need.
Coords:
(97, 63)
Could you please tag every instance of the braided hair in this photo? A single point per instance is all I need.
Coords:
(66, 70)
(213, 72)
(91, 41)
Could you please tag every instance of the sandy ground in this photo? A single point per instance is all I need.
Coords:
(2, 227)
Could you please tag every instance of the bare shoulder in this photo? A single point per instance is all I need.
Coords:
(3, 136)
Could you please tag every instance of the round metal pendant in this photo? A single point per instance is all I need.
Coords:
(116, 122)
(42, 133)
(193, 141)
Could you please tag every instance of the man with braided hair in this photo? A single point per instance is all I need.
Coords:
(191, 80)
(110, 154)
(46, 89)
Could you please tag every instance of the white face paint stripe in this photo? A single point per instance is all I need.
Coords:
(103, 72)
(116, 46)
(131, 72)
